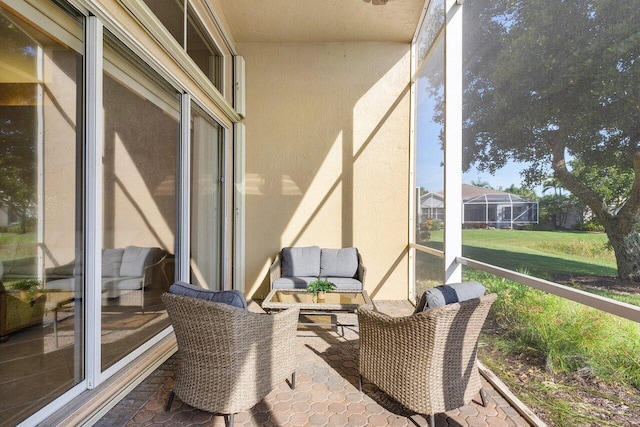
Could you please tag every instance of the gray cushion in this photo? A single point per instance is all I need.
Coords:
(452, 293)
(122, 283)
(135, 259)
(346, 283)
(231, 297)
(297, 282)
(301, 261)
(339, 262)
(68, 284)
(111, 262)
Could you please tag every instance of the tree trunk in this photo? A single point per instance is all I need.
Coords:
(626, 244)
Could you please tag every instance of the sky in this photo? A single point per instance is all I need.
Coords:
(429, 155)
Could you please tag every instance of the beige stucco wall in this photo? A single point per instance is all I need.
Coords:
(327, 156)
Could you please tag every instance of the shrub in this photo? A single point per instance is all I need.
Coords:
(570, 336)
(592, 225)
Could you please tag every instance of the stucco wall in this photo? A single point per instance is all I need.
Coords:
(327, 156)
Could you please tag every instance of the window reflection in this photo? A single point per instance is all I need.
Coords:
(41, 333)
(139, 203)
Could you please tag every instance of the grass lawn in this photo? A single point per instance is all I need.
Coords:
(17, 245)
(540, 253)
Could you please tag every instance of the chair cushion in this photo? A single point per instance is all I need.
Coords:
(339, 262)
(231, 297)
(346, 283)
(452, 293)
(112, 262)
(301, 261)
(297, 282)
(135, 259)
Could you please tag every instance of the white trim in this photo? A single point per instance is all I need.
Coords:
(135, 80)
(47, 15)
(413, 221)
(224, 205)
(94, 128)
(137, 352)
(183, 227)
(220, 30)
(40, 162)
(453, 141)
(156, 29)
(239, 86)
(59, 403)
(239, 207)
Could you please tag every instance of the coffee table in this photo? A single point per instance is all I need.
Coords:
(335, 301)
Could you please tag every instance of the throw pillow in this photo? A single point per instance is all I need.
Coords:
(231, 297)
(339, 262)
(452, 293)
(303, 262)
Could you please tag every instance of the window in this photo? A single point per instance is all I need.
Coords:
(198, 43)
(41, 278)
(206, 200)
(141, 114)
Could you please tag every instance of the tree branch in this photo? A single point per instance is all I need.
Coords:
(569, 181)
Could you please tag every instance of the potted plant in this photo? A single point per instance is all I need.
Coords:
(26, 287)
(319, 287)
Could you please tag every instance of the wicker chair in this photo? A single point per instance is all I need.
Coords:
(426, 361)
(230, 358)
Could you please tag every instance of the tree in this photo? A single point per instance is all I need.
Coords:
(480, 183)
(18, 162)
(549, 83)
(521, 191)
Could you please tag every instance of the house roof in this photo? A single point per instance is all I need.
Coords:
(473, 194)
(308, 21)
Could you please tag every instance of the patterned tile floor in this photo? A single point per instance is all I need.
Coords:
(326, 394)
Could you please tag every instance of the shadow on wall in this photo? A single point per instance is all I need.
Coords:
(325, 154)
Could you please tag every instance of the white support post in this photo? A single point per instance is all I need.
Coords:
(93, 198)
(40, 165)
(183, 248)
(239, 172)
(453, 140)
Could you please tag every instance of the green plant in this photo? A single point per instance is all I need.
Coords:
(320, 285)
(27, 287)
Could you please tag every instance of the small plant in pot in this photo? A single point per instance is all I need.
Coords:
(319, 287)
(26, 287)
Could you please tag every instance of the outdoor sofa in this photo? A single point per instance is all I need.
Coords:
(296, 267)
(131, 275)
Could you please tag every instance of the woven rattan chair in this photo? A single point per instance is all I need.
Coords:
(230, 358)
(426, 361)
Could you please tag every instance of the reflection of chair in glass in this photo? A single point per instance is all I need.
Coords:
(230, 358)
(426, 361)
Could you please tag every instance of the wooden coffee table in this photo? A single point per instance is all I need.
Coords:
(335, 301)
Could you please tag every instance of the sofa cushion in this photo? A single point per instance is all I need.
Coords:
(301, 261)
(339, 262)
(452, 293)
(297, 282)
(346, 283)
(231, 297)
(122, 283)
(135, 259)
(68, 284)
(111, 262)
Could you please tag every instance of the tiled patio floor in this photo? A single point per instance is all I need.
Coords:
(326, 394)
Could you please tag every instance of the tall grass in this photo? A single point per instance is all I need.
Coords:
(568, 335)
(577, 247)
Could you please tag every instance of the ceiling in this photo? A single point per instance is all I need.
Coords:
(309, 21)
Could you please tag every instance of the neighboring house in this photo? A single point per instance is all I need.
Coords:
(484, 207)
